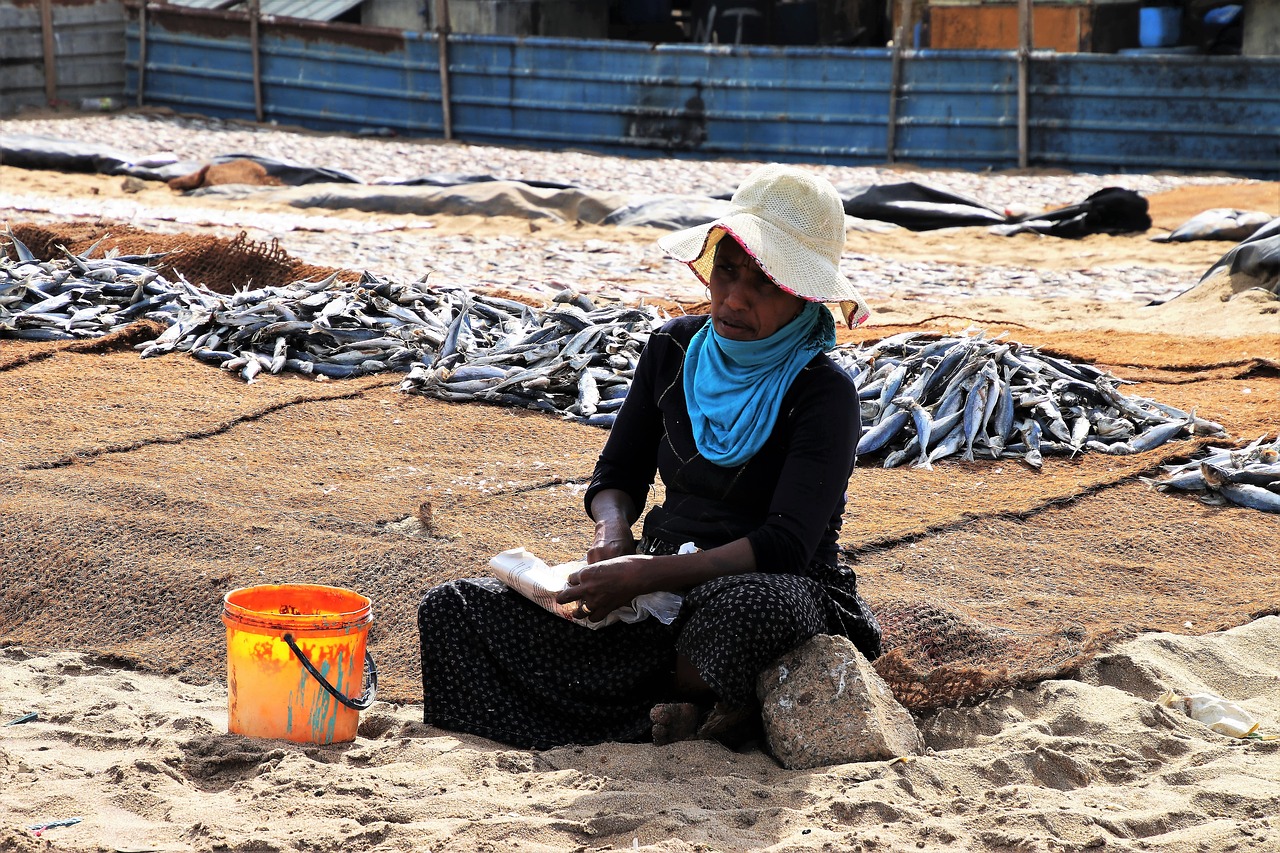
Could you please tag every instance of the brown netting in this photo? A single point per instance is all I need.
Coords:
(136, 493)
(935, 657)
(220, 264)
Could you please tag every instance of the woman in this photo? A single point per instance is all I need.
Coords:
(753, 430)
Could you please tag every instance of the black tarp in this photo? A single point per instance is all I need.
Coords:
(1111, 210)
(1258, 256)
(912, 205)
(919, 207)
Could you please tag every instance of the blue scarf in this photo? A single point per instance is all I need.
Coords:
(734, 389)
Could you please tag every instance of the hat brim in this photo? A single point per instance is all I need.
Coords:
(803, 272)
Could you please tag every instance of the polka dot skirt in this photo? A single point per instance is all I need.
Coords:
(497, 665)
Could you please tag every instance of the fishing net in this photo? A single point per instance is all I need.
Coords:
(220, 264)
(137, 493)
(937, 657)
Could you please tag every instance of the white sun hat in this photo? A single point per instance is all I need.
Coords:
(792, 224)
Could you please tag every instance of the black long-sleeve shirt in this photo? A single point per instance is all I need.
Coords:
(788, 499)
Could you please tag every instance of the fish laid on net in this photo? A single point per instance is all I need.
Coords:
(1247, 476)
(75, 298)
(924, 398)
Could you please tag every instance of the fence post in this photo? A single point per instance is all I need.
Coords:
(254, 14)
(895, 80)
(142, 50)
(442, 40)
(1024, 60)
(50, 53)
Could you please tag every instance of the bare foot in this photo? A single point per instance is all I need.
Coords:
(673, 721)
(733, 726)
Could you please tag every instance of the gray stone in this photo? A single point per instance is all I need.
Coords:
(824, 704)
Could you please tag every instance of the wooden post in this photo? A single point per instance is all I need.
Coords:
(142, 50)
(1024, 61)
(255, 13)
(50, 53)
(895, 79)
(442, 40)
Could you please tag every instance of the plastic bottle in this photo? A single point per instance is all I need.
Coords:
(99, 105)
(1221, 715)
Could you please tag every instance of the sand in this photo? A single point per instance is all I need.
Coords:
(1088, 763)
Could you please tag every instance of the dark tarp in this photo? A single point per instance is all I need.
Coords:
(453, 179)
(912, 205)
(1258, 256)
(1111, 210)
(28, 151)
(919, 207)
(288, 172)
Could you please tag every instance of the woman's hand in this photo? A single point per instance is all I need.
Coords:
(603, 587)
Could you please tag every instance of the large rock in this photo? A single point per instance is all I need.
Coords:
(824, 704)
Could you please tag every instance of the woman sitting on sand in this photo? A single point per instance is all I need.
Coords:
(753, 430)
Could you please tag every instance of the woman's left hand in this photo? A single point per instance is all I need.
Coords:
(603, 587)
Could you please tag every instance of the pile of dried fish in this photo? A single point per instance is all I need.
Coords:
(924, 399)
(1247, 476)
(571, 358)
(73, 298)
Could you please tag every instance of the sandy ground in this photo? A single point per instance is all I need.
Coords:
(146, 763)
(1088, 764)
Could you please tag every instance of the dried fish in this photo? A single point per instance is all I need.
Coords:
(976, 396)
(1247, 477)
(929, 396)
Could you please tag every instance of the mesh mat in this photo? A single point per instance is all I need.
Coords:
(219, 264)
(936, 657)
(138, 492)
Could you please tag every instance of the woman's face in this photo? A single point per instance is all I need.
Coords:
(745, 304)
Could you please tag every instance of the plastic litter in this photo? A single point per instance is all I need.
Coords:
(38, 828)
(25, 718)
(1222, 715)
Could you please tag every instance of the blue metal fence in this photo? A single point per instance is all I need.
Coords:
(1086, 112)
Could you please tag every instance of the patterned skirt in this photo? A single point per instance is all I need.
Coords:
(497, 665)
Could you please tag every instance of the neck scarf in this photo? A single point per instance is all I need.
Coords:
(734, 389)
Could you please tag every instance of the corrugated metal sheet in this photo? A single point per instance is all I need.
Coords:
(309, 10)
(306, 10)
(1165, 112)
(89, 54)
(956, 108)
(205, 4)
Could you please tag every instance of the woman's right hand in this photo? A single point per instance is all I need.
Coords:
(603, 587)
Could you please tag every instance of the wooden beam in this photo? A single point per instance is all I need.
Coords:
(142, 51)
(895, 79)
(50, 53)
(442, 40)
(1025, 37)
(255, 12)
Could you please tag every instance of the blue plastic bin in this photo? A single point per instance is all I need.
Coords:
(1159, 26)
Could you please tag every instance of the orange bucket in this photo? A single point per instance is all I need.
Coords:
(294, 653)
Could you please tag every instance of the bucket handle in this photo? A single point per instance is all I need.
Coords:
(360, 703)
